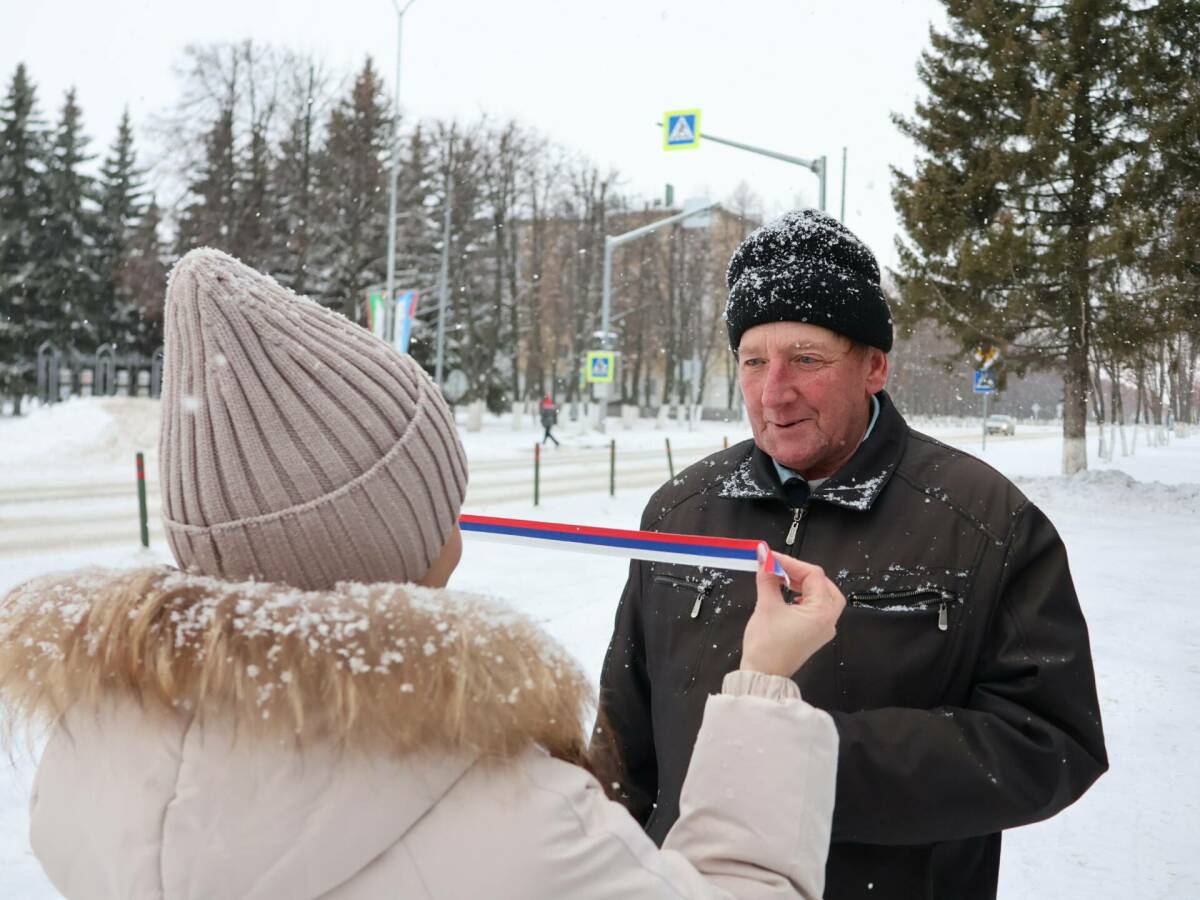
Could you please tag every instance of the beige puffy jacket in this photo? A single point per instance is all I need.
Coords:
(215, 740)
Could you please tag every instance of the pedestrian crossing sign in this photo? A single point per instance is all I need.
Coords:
(985, 382)
(601, 365)
(681, 129)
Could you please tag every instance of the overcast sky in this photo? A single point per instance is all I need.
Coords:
(803, 77)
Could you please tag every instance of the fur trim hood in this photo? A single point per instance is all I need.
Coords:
(384, 667)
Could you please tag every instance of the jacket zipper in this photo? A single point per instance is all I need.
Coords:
(943, 607)
(797, 513)
(684, 585)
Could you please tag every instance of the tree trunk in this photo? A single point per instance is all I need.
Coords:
(1097, 393)
(1118, 408)
(1075, 387)
(1157, 398)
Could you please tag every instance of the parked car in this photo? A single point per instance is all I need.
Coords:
(1001, 425)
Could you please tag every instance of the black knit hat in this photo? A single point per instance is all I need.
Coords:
(806, 266)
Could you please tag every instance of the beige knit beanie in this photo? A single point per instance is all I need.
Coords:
(296, 447)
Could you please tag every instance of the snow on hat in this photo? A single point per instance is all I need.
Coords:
(296, 447)
(806, 266)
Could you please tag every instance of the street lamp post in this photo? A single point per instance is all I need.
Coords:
(390, 305)
(611, 242)
(444, 280)
(842, 218)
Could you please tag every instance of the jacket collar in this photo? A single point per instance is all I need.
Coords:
(388, 667)
(855, 485)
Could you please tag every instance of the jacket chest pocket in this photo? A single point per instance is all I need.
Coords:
(687, 590)
(894, 646)
(686, 607)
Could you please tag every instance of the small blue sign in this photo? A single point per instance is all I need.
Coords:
(600, 366)
(681, 129)
(985, 382)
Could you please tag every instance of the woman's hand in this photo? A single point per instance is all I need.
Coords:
(780, 637)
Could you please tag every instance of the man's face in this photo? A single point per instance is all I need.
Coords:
(807, 391)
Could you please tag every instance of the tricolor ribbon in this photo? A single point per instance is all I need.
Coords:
(652, 546)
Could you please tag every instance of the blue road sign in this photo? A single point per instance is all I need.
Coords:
(985, 382)
(681, 129)
(600, 366)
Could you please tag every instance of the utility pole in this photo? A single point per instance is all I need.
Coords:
(843, 217)
(444, 278)
(389, 304)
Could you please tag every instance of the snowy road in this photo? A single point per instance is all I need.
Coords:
(1131, 530)
(101, 511)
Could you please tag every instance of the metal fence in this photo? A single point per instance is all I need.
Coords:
(104, 373)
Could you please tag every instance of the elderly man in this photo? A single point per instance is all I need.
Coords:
(960, 681)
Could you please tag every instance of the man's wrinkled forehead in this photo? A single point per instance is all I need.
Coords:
(792, 336)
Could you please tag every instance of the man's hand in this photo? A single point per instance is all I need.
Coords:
(780, 637)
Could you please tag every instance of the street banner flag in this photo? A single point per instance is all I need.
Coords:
(406, 309)
(377, 315)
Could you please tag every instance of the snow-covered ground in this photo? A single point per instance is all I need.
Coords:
(1132, 529)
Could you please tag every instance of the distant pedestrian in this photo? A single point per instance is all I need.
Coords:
(549, 419)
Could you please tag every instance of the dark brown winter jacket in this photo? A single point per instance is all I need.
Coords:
(960, 679)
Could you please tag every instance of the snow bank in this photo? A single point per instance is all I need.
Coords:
(89, 428)
(1114, 490)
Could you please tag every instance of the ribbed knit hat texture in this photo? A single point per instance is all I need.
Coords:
(296, 447)
(806, 266)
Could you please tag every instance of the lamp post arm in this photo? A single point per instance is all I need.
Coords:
(615, 240)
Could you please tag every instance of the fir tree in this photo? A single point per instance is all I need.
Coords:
(474, 326)
(418, 237)
(67, 256)
(210, 219)
(418, 228)
(24, 323)
(1166, 257)
(255, 201)
(121, 209)
(352, 184)
(1013, 215)
(143, 277)
(294, 185)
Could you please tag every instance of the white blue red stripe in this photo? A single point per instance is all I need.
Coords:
(654, 546)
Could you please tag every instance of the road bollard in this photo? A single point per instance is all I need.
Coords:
(612, 468)
(537, 467)
(141, 488)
